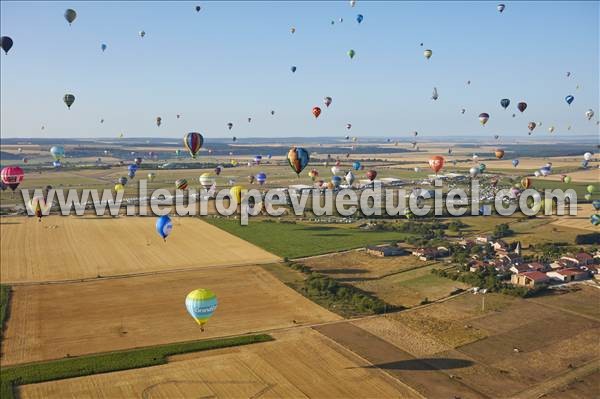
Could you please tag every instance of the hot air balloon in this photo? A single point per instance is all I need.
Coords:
(350, 178)
(12, 176)
(434, 95)
(371, 175)
(181, 184)
(348, 126)
(142, 33)
(293, 68)
(38, 205)
(122, 180)
(69, 99)
(236, 193)
(151, 176)
(131, 174)
(545, 171)
(482, 167)
(57, 152)
(327, 101)
(103, 47)
(359, 18)
(257, 159)
(6, 43)
(198, 8)
(589, 114)
(164, 226)
(335, 181)
(427, 53)
(230, 126)
(261, 178)
(531, 126)
(193, 142)
(234, 139)
(352, 3)
(436, 163)
(483, 118)
(474, 171)
(137, 161)
(201, 304)
(522, 106)
(591, 188)
(351, 53)
(316, 111)
(587, 156)
(462, 111)
(595, 219)
(206, 180)
(526, 182)
(500, 8)
(551, 129)
(335, 170)
(569, 99)
(158, 121)
(272, 112)
(505, 102)
(119, 187)
(313, 174)
(70, 15)
(596, 204)
(356, 165)
(251, 179)
(499, 153)
(515, 162)
(218, 170)
(298, 159)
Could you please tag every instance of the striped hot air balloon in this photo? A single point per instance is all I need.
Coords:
(201, 304)
(298, 159)
(193, 141)
(12, 176)
(181, 184)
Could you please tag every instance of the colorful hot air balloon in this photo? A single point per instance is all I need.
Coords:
(515, 162)
(351, 53)
(589, 114)
(316, 111)
(505, 102)
(261, 178)
(522, 106)
(427, 53)
(201, 304)
(181, 184)
(595, 219)
(298, 159)
(335, 181)
(551, 129)
(313, 174)
(70, 15)
(69, 99)
(596, 204)
(206, 180)
(137, 161)
(500, 8)
(349, 178)
(6, 43)
(569, 99)
(38, 205)
(356, 165)
(251, 179)
(164, 226)
(335, 170)
(436, 163)
(499, 153)
(531, 126)
(327, 101)
(257, 159)
(483, 118)
(526, 182)
(57, 152)
(348, 126)
(193, 141)
(482, 167)
(359, 18)
(12, 176)
(371, 175)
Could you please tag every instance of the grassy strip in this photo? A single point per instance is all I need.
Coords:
(109, 362)
(4, 300)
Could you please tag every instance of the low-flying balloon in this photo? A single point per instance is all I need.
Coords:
(261, 178)
(151, 176)
(12, 176)
(531, 126)
(181, 184)
(499, 153)
(57, 152)
(201, 304)
(500, 8)
(436, 163)
(198, 8)
(164, 226)
(206, 180)
(474, 171)
(298, 159)
(589, 114)
(551, 129)
(371, 174)
(193, 141)
(515, 162)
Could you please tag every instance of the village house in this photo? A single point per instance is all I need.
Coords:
(568, 275)
(476, 265)
(519, 268)
(584, 258)
(483, 239)
(385, 250)
(530, 279)
(537, 266)
(500, 245)
(429, 253)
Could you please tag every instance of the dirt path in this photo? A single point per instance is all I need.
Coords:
(423, 375)
(540, 390)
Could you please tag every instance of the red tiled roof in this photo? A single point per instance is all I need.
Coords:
(535, 276)
(570, 272)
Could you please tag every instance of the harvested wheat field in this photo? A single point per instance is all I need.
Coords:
(581, 221)
(298, 364)
(68, 248)
(51, 321)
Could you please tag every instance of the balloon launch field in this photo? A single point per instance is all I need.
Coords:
(52, 321)
(72, 248)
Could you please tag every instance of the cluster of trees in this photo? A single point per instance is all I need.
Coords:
(589, 239)
(502, 230)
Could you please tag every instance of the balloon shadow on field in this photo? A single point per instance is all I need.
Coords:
(428, 364)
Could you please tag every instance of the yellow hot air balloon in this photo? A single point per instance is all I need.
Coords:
(236, 192)
(201, 304)
(119, 187)
(206, 180)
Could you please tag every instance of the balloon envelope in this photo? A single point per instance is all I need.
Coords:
(6, 43)
(193, 141)
(164, 226)
(298, 158)
(436, 163)
(505, 102)
(522, 106)
(12, 176)
(201, 304)
(70, 15)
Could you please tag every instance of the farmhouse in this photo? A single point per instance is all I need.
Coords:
(530, 279)
(568, 275)
(483, 239)
(584, 258)
(384, 251)
(430, 253)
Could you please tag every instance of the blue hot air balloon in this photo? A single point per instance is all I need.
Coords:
(336, 181)
(569, 99)
(298, 159)
(505, 102)
(201, 304)
(584, 164)
(515, 162)
(132, 168)
(261, 178)
(293, 68)
(359, 18)
(57, 164)
(356, 165)
(103, 47)
(131, 174)
(164, 226)
(596, 204)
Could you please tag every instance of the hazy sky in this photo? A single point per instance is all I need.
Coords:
(232, 61)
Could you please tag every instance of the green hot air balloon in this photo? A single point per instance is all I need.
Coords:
(351, 53)
(69, 99)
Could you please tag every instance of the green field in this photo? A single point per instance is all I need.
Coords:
(295, 240)
(4, 299)
(108, 362)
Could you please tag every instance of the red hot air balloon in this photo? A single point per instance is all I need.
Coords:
(436, 163)
(316, 111)
(12, 176)
(371, 175)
